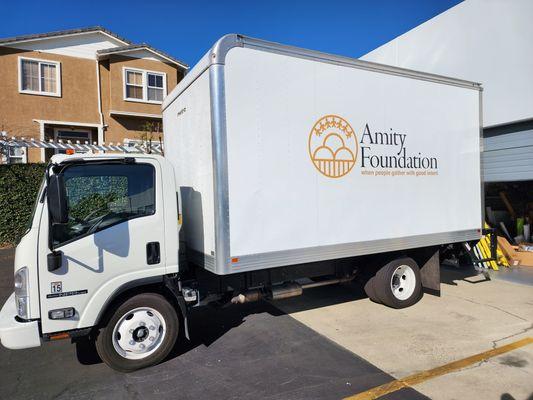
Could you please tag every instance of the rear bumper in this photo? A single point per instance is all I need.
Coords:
(15, 334)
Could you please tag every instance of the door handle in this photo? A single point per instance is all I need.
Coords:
(153, 254)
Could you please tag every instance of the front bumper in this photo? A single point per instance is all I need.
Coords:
(15, 334)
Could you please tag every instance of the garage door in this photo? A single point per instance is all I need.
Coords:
(508, 157)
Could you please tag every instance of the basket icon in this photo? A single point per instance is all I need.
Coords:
(333, 146)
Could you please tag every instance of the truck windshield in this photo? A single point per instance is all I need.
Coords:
(102, 195)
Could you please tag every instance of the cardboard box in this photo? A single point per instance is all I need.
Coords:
(515, 257)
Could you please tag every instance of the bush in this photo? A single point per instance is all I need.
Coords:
(19, 184)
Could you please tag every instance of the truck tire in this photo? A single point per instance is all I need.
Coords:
(371, 291)
(139, 333)
(398, 284)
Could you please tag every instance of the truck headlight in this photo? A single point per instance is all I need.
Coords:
(21, 293)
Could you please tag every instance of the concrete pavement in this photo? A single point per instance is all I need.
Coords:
(473, 315)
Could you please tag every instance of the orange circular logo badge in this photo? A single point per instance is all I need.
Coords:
(333, 146)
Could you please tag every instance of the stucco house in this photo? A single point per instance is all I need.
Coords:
(83, 84)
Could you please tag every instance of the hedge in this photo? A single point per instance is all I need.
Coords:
(19, 184)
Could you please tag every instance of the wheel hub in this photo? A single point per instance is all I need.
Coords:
(139, 333)
(403, 282)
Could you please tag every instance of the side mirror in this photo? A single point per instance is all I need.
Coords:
(54, 260)
(57, 199)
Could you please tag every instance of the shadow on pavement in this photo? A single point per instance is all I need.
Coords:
(251, 350)
(206, 326)
(507, 396)
(449, 275)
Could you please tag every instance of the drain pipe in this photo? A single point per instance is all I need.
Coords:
(99, 92)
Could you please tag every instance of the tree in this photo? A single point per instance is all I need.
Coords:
(150, 130)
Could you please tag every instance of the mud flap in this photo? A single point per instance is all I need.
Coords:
(430, 273)
(171, 284)
(184, 313)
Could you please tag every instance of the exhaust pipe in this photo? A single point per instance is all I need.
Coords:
(277, 292)
(284, 291)
(248, 297)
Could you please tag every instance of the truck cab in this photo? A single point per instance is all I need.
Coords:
(101, 227)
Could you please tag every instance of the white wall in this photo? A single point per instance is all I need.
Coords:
(487, 41)
(83, 45)
(144, 54)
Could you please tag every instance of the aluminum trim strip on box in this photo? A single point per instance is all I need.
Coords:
(226, 43)
(300, 256)
(481, 161)
(220, 165)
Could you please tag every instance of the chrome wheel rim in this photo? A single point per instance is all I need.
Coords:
(139, 333)
(403, 282)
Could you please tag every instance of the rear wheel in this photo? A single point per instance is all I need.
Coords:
(371, 291)
(140, 332)
(398, 284)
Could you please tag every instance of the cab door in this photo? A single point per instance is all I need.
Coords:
(114, 236)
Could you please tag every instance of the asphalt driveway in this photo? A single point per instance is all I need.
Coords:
(251, 351)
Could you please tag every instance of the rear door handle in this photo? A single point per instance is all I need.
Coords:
(153, 254)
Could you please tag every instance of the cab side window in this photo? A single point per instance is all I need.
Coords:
(102, 195)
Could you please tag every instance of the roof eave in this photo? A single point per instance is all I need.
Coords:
(54, 36)
(106, 54)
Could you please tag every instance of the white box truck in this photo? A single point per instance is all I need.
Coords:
(284, 169)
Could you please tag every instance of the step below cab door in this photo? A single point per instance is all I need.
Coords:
(114, 236)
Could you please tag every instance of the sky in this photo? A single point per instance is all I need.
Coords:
(187, 29)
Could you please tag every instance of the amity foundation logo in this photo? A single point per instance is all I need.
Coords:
(334, 149)
(333, 146)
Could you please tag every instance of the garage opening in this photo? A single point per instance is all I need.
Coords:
(509, 209)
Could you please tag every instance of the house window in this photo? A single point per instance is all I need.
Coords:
(144, 86)
(134, 85)
(155, 87)
(39, 77)
(74, 137)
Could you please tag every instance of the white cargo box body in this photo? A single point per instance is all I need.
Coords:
(285, 156)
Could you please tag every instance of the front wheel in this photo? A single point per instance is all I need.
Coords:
(140, 332)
